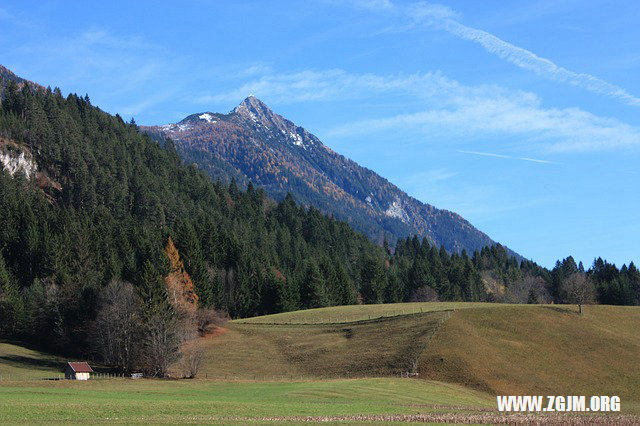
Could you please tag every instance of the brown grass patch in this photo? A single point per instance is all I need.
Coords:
(535, 350)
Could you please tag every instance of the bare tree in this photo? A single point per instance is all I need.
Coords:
(161, 339)
(116, 330)
(424, 294)
(208, 320)
(193, 358)
(579, 290)
(529, 289)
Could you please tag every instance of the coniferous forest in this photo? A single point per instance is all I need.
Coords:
(107, 204)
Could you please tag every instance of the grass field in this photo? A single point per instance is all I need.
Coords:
(17, 362)
(196, 401)
(338, 363)
(354, 313)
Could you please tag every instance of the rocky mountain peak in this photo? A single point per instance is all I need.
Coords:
(253, 143)
(253, 104)
(255, 110)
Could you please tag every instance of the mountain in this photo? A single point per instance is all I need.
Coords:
(88, 201)
(252, 143)
(7, 76)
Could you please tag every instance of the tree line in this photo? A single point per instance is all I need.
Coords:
(94, 246)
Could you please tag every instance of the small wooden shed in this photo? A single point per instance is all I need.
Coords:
(77, 371)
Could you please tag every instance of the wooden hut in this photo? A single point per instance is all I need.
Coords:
(77, 371)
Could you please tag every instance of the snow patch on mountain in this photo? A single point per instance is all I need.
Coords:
(297, 140)
(207, 117)
(175, 127)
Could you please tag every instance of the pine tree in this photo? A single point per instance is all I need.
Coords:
(313, 292)
(372, 280)
(11, 304)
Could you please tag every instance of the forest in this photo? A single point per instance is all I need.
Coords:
(109, 212)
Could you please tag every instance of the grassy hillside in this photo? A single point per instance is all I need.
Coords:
(17, 362)
(500, 349)
(539, 350)
(352, 313)
(383, 347)
(303, 369)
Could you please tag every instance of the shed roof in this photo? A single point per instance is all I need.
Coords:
(80, 367)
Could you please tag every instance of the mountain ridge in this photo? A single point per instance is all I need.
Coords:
(266, 148)
(6, 76)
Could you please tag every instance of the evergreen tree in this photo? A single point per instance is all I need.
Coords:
(11, 304)
(372, 280)
(313, 290)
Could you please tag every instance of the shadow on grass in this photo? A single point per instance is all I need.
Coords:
(29, 362)
(564, 309)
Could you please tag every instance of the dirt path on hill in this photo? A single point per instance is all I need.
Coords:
(215, 333)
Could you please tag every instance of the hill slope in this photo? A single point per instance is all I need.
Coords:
(86, 199)
(254, 143)
(499, 349)
(539, 350)
(20, 363)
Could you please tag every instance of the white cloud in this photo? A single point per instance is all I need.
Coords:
(308, 85)
(141, 105)
(541, 66)
(484, 154)
(441, 17)
(255, 69)
(122, 71)
(535, 160)
(491, 154)
(426, 177)
(372, 4)
(481, 112)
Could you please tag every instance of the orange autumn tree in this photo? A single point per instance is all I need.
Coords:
(180, 288)
(183, 297)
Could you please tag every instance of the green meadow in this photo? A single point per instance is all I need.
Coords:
(178, 401)
(344, 365)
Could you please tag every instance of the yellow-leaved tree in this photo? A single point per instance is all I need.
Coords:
(181, 291)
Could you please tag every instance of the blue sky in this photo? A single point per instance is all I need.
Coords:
(523, 116)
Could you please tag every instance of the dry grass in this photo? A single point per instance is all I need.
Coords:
(540, 350)
(383, 347)
(353, 313)
(499, 349)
